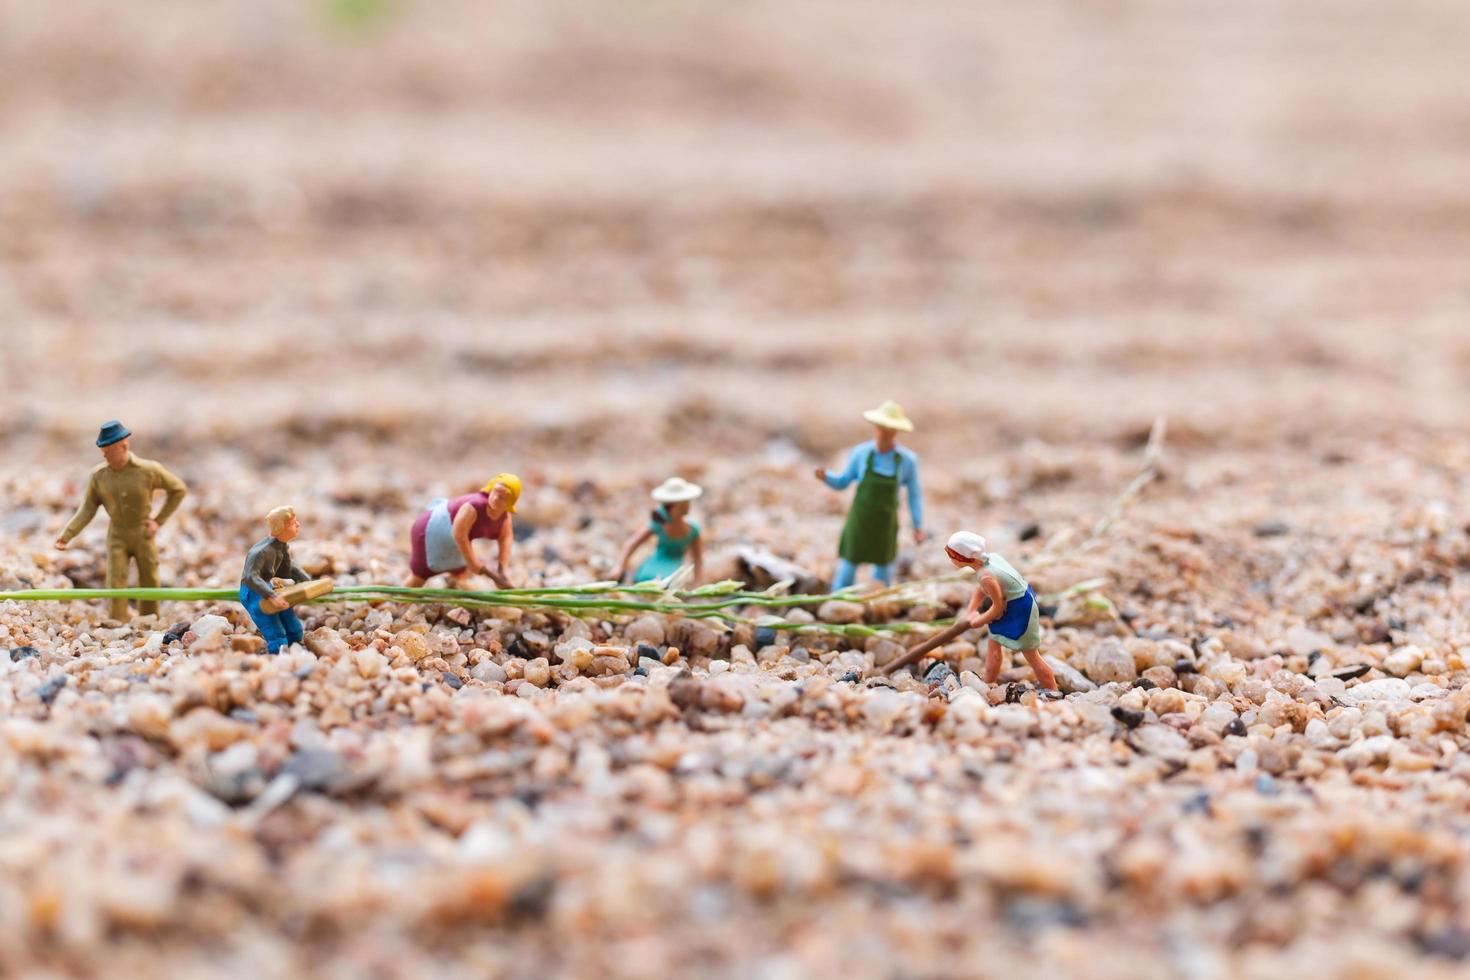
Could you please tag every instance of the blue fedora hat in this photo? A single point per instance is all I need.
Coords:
(113, 431)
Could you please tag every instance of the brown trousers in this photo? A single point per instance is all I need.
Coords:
(122, 549)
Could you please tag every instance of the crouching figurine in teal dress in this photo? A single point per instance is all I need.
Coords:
(677, 536)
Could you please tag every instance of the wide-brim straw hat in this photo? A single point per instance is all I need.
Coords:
(890, 416)
(676, 490)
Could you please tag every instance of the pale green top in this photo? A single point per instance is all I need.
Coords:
(1012, 585)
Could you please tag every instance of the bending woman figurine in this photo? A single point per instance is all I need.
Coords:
(443, 535)
(1012, 614)
(675, 532)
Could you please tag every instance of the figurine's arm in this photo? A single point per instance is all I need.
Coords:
(840, 481)
(176, 492)
(989, 588)
(294, 571)
(633, 543)
(252, 577)
(501, 573)
(464, 523)
(83, 516)
(916, 495)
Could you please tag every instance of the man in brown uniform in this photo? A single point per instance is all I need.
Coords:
(123, 485)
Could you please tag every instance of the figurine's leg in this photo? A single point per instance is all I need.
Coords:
(117, 574)
(146, 555)
(269, 624)
(846, 573)
(994, 658)
(1044, 675)
(884, 573)
(291, 624)
(414, 582)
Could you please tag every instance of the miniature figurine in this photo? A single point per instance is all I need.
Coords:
(870, 535)
(675, 532)
(123, 485)
(270, 559)
(1012, 615)
(442, 536)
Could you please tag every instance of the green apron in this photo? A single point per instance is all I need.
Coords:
(870, 536)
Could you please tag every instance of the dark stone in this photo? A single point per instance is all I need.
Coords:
(1046, 610)
(1029, 531)
(1130, 719)
(175, 633)
(1199, 803)
(533, 899)
(644, 650)
(640, 671)
(519, 650)
(1182, 666)
(1271, 529)
(938, 674)
(1452, 943)
(1236, 727)
(51, 688)
(21, 653)
(1014, 693)
(1351, 671)
(1144, 683)
(551, 556)
(453, 681)
(684, 691)
(316, 770)
(801, 655)
(852, 677)
(764, 636)
(522, 529)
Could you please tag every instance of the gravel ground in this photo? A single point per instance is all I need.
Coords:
(354, 266)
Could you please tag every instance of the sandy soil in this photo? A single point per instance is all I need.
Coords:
(356, 266)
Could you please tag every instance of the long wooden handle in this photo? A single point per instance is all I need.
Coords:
(937, 640)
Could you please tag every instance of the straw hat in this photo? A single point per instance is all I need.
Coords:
(675, 490)
(890, 416)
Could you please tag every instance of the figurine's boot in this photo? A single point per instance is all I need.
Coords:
(117, 573)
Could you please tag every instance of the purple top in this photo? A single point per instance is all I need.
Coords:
(485, 526)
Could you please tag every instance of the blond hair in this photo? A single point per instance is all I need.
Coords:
(278, 519)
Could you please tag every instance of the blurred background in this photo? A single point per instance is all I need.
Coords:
(427, 241)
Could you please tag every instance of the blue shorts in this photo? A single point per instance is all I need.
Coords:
(1017, 618)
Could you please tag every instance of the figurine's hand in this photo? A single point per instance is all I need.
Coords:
(274, 604)
(152, 528)
(978, 619)
(619, 572)
(61, 544)
(502, 581)
(822, 473)
(919, 536)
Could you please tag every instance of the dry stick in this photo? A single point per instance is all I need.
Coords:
(937, 640)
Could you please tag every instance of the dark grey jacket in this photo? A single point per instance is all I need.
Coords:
(270, 558)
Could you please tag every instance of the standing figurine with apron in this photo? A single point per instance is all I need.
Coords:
(870, 535)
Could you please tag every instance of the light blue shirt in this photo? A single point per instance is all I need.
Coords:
(900, 459)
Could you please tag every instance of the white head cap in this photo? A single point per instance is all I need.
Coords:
(967, 543)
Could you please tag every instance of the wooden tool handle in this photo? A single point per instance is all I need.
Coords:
(937, 640)
(295, 595)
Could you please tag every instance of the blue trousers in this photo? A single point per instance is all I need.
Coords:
(847, 573)
(279, 629)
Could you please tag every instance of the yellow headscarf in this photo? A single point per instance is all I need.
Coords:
(511, 483)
